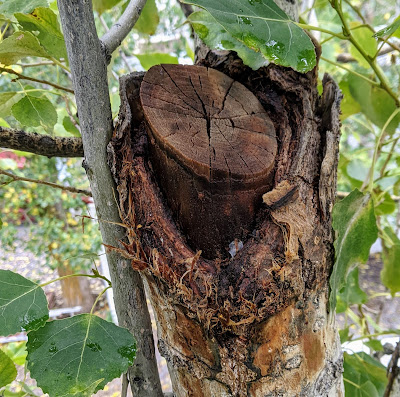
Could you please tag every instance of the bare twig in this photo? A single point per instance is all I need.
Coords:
(124, 386)
(23, 77)
(33, 64)
(187, 9)
(112, 39)
(393, 370)
(346, 58)
(51, 184)
(342, 195)
(41, 144)
(121, 52)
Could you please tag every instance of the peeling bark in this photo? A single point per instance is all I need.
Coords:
(257, 324)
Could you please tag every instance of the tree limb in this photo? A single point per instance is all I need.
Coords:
(393, 370)
(89, 75)
(41, 144)
(112, 39)
(23, 77)
(51, 184)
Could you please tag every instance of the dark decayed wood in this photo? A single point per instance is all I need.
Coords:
(213, 148)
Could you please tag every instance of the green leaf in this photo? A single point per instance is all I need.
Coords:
(70, 127)
(7, 100)
(33, 112)
(103, 5)
(8, 372)
(16, 351)
(4, 123)
(78, 355)
(344, 334)
(155, 58)
(363, 36)
(356, 169)
(7, 393)
(262, 26)
(390, 29)
(390, 274)
(386, 205)
(374, 344)
(349, 105)
(9, 7)
(376, 104)
(23, 304)
(355, 224)
(351, 293)
(189, 50)
(368, 374)
(20, 45)
(44, 21)
(215, 36)
(149, 18)
(8, 164)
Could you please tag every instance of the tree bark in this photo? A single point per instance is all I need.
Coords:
(89, 74)
(257, 324)
(40, 144)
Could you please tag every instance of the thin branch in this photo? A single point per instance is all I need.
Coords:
(41, 144)
(372, 82)
(393, 370)
(187, 9)
(23, 77)
(121, 52)
(342, 195)
(29, 65)
(112, 39)
(372, 62)
(54, 185)
(346, 58)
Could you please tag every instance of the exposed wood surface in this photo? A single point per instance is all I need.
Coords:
(213, 148)
(257, 324)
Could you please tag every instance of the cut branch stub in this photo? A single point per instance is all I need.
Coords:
(213, 149)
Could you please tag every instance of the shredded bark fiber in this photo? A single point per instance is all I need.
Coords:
(288, 254)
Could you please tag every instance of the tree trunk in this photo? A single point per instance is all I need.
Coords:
(255, 324)
(89, 75)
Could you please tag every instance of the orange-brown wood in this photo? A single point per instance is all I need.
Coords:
(213, 147)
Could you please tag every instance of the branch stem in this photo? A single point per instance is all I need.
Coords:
(113, 38)
(23, 77)
(76, 275)
(51, 184)
(350, 71)
(41, 144)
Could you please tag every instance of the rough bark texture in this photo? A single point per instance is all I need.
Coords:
(257, 324)
(89, 74)
(40, 144)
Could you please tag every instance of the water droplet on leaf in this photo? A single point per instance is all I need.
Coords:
(245, 20)
(94, 347)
